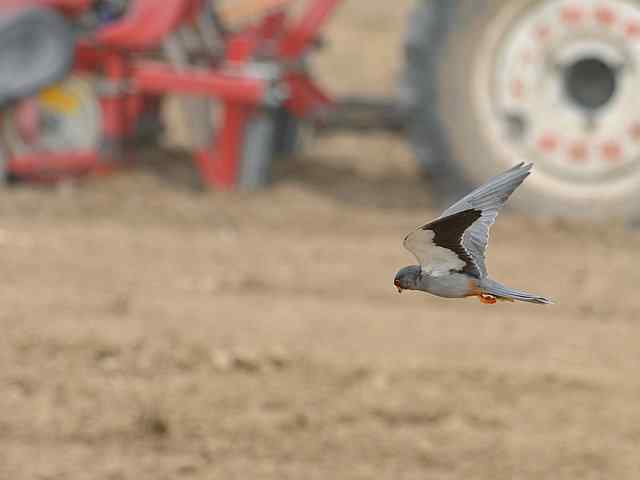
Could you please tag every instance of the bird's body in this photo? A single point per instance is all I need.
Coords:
(454, 285)
(451, 248)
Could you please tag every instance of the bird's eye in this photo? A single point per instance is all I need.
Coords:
(396, 282)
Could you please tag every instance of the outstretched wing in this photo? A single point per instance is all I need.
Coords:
(488, 198)
(439, 247)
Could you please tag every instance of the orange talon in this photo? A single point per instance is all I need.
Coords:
(487, 299)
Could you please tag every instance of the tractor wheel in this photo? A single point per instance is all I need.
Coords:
(65, 117)
(553, 82)
(61, 118)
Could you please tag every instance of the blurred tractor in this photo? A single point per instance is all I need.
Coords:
(36, 50)
(237, 68)
(487, 84)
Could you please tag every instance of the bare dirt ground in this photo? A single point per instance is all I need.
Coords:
(150, 332)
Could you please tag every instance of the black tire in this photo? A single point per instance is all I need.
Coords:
(447, 132)
(36, 45)
(426, 34)
(287, 133)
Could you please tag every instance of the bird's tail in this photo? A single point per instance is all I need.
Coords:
(500, 291)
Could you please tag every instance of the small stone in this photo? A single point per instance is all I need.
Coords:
(110, 364)
(249, 362)
(278, 358)
(222, 360)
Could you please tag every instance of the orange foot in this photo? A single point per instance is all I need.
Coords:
(487, 299)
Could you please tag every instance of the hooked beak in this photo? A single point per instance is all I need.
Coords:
(397, 284)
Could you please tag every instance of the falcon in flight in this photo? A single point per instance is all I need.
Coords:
(451, 248)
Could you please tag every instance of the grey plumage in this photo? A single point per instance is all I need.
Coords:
(488, 198)
(500, 291)
(451, 249)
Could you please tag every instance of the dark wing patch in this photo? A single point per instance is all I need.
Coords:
(448, 233)
(489, 198)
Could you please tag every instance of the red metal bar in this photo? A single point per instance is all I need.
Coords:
(241, 47)
(27, 118)
(88, 58)
(134, 108)
(155, 77)
(38, 163)
(68, 6)
(305, 96)
(300, 37)
(261, 40)
(219, 165)
(273, 24)
(193, 9)
(114, 102)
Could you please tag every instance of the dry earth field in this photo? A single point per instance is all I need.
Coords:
(151, 332)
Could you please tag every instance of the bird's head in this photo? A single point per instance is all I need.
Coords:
(407, 278)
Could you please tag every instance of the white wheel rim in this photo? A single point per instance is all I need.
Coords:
(69, 120)
(529, 93)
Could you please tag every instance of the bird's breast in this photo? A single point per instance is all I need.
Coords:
(453, 285)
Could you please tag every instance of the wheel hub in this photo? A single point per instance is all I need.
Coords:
(64, 117)
(590, 83)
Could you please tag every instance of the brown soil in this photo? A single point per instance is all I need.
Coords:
(150, 332)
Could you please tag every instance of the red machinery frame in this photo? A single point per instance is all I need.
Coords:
(114, 53)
